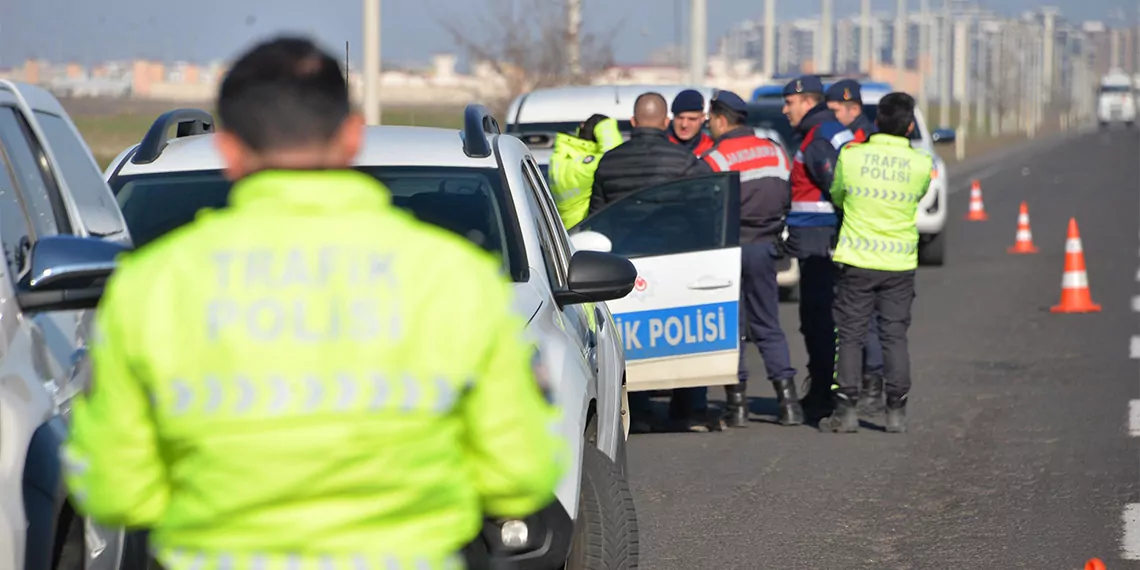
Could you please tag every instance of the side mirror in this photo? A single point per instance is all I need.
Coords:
(596, 276)
(591, 241)
(943, 136)
(67, 273)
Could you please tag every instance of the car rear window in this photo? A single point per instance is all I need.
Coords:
(469, 202)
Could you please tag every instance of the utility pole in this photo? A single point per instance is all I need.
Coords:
(998, 78)
(770, 38)
(573, 41)
(900, 35)
(372, 62)
(945, 99)
(962, 79)
(826, 33)
(698, 42)
(1048, 57)
(865, 48)
(924, 58)
(981, 80)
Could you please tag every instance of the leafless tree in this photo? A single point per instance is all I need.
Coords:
(524, 42)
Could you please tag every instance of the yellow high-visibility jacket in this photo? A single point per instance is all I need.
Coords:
(310, 378)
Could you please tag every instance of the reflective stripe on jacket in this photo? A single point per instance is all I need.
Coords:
(878, 184)
(572, 167)
(764, 193)
(310, 374)
(813, 168)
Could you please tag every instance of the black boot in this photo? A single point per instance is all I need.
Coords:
(736, 414)
(817, 403)
(871, 398)
(791, 413)
(844, 420)
(896, 414)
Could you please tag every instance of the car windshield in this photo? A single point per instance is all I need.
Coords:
(1114, 89)
(467, 201)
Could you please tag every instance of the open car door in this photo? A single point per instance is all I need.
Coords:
(680, 324)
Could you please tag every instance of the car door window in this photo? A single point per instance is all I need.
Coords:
(78, 169)
(554, 271)
(15, 236)
(30, 166)
(691, 214)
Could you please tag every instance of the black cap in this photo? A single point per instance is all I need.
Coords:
(688, 100)
(845, 91)
(805, 84)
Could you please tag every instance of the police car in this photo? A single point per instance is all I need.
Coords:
(487, 188)
(766, 111)
(537, 116)
(60, 231)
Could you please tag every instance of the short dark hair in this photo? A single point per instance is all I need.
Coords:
(285, 92)
(720, 109)
(896, 113)
(815, 98)
(586, 129)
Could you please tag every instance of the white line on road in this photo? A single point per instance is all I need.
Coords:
(1130, 542)
(1136, 304)
(1134, 418)
(1134, 348)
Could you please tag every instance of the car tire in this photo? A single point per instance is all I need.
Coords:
(790, 294)
(605, 531)
(932, 251)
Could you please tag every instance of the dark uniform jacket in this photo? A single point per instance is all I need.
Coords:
(646, 159)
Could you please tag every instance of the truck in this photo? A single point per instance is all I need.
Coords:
(1115, 100)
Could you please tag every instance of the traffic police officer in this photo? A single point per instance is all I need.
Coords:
(296, 380)
(688, 121)
(845, 99)
(878, 184)
(764, 201)
(573, 162)
(812, 228)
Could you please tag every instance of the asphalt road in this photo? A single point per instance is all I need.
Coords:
(1019, 453)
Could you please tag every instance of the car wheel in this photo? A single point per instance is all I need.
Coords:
(605, 531)
(790, 294)
(933, 250)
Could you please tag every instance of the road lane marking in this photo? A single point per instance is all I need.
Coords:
(1136, 304)
(1134, 418)
(1130, 541)
(1134, 348)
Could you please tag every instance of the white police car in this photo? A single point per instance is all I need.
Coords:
(487, 188)
(537, 116)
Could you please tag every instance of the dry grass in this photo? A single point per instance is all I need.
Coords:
(112, 125)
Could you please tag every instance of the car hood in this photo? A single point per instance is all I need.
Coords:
(527, 301)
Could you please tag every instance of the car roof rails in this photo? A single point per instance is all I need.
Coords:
(477, 124)
(190, 122)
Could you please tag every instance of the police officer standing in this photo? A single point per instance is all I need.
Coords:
(764, 202)
(878, 185)
(573, 162)
(219, 418)
(845, 99)
(688, 122)
(812, 228)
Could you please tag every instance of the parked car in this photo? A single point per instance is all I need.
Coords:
(487, 188)
(61, 231)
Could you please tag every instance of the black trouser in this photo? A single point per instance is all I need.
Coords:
(859, 293)
(812, 247)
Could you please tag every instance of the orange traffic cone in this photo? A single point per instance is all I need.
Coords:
(1075, 296)
(1024, 243)
(1094, 564)
(977, 208)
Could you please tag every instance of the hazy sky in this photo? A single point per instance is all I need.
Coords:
(202, 30)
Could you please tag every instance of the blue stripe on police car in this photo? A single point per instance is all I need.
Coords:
(680, 331)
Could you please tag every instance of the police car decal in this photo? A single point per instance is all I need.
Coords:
(679, 331)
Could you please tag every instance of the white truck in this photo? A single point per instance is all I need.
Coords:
(1115, 100)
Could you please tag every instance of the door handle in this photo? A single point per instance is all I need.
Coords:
(708, 283)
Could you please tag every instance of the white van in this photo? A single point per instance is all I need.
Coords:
(537, 116)
(1115, 102)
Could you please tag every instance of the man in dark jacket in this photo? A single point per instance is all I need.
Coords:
(845, 99)
(646, 159)
(764, 201)
(813, 228)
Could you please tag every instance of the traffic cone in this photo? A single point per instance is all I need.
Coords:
(1075, 296)
(1024, 243)
(977, 208)
(1094, 564)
